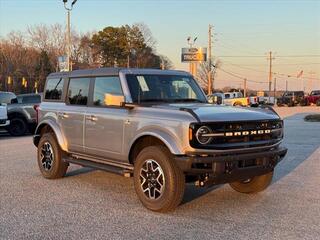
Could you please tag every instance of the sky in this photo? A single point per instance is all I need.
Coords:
(244, 32)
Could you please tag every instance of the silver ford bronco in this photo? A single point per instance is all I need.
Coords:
(158, 127)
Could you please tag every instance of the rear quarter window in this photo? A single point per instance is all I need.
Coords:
(54, 89)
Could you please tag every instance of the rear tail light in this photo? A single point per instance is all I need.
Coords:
(248, 101)
(36, 108)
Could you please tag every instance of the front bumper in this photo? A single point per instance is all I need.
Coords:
(223, 168)
(4, 122)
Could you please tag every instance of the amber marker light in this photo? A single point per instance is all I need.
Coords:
(190, 134)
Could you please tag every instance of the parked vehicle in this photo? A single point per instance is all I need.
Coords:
(254, 101)
(4, 121)
(22, 115)
(216, 98)
(313, 98)
(157, 126)
(266, 100)
(291, 98)
(236, 99)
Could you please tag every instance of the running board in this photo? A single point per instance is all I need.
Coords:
(101, 166)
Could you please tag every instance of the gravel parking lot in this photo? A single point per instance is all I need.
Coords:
(89, 204)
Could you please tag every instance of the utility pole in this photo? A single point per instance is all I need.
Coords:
(69, 64)
(69, 61)
(244, 87)
(270, 72)
(274, 88)
(209, 61)
(311, 73)
(286, 85)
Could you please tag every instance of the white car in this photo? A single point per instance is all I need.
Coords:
(3, 115)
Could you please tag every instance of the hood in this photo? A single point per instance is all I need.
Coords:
(209, 112)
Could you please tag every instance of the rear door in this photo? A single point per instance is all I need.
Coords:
(104, 124)
(71, 115)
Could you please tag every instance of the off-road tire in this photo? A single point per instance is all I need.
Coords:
(256, 184)
(58, 167)
(304, 103)
(291, 104)
(174, 179)
(318, 102)
(17, 127)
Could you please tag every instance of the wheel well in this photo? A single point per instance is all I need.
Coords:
(142, 142)
(16, 115)
(44, 128)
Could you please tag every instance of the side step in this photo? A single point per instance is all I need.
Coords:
(101, 166)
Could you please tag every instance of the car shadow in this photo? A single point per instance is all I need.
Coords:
(79, 171)
(193, 192)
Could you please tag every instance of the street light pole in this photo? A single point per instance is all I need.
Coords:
(69, 9)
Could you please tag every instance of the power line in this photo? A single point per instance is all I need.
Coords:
(251, 69)
(258, 56)
(238, 76)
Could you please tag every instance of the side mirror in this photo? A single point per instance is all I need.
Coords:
(113, 100)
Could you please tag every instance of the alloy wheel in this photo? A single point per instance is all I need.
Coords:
(152, 179)
(47, 156)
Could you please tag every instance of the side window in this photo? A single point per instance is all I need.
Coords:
(104, 85)
(30, 99)
(78, 91)
(54, 89)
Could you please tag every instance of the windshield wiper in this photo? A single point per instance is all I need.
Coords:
(187, 100)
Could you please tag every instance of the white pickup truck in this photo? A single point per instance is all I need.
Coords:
(3, 116)
(233, 99)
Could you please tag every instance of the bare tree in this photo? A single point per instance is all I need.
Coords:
(166, 63)
(203, 71)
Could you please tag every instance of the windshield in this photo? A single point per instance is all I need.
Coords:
(164, 88)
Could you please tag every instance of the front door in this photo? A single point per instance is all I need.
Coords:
(104, 124)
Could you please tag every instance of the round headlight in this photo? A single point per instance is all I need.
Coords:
(200, 135)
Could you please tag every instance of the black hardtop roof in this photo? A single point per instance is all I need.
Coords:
(115, 71)
(29, 94)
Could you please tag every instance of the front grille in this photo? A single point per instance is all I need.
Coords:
(235, 135)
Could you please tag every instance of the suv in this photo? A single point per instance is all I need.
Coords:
(291, 98)
(313, 98)
(157, 126)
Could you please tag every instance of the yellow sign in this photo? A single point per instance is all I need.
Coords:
(9, 80)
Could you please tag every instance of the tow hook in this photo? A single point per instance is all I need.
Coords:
(201, 182)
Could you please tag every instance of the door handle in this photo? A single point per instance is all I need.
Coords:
(63, 115)
(92, 118)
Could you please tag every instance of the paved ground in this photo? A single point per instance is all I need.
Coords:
(98, 205)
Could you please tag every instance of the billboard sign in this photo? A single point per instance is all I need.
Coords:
(194, 54)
